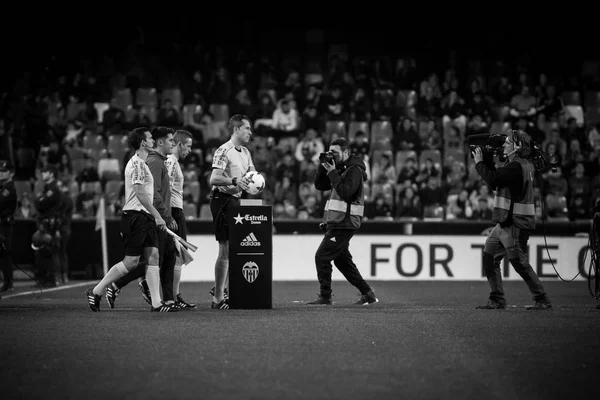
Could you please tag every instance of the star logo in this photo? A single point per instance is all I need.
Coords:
(238, 219)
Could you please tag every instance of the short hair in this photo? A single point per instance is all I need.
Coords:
(161, 132)
(522, 139)
(342, 142)
(181, 136)
(237, 121)
(136, 137)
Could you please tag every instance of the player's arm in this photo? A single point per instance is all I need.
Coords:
(138, 175)
(146, 201)
(218, 178)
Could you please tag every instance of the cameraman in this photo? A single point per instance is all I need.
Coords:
(344, 175)
(514, 214)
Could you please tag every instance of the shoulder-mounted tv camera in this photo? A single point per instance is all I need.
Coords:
(491, 145)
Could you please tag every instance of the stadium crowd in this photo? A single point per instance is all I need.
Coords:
(408, 121)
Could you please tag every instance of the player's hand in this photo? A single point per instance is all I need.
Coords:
(329, 166)
(243, 184)
(477, 154)
(160, 223)
(173, 226)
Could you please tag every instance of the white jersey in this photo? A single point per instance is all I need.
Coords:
(137, 173)
(235, 163)
(176, 180)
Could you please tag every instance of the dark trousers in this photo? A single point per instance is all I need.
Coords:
(509, 241)
(166, 263)
(47, 259)
(6, 263)
(334, 247)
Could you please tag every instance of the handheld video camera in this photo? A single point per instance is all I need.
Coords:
(490, 144)
(326, 157)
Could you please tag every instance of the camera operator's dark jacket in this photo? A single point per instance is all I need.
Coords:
(345, 208)
(513, 183)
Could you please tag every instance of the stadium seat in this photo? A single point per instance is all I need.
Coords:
(592, 98)
(205, 212)
(114, 142)
(23, 187)
(129, 114)
(356, 126)
(381, 129)
(571, 98)
(123, 98)
(456, 154)
(190, 210)
(100, 108)
(435, 155)
(338, 127)
(499, 127)
(575, 112)
(592, 115)
(150, 111)
(403, 155)
(194, 190)
(146, 97)
(113, 187)
(220, 112)
(77, 165)
(499, 113)
(406, 98)
(173, 94)
(96, 187)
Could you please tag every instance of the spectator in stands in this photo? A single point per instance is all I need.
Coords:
(406, 136)
(219, 88)
(25, 207)
(458, 206)
(503, 91)
(311, 207)
(383, 171)
(113, 119)
(360, 106)
(456, 177)
(579, 184)
(86, 204)
(559, 143)
(308, 149)
(168, 115)
(333, 106)
(381, 208)
(285, 119)
(384, 105)
(594, 138)
(476, 126)
(523, 104)
(579, 209)
(453, 112)
(408, 204)
(242, 103)
(359, 145)
(483, 211)
(572, 131)
(550, 104)
(453, 139)
(432, 197)
(429, 135)
(555, 188)
(89, 173)
(311, 119)
(478, 106)
(574, 156)
(429, 105)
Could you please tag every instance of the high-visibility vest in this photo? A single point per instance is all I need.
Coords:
(344, 215)
(523, 209)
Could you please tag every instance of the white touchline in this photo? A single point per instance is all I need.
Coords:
(54, 289)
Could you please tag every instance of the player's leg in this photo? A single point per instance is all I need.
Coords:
(515, 240)
(219, 205)
(179, 217)
(167, 266)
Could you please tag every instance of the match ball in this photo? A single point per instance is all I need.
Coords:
(256, 182)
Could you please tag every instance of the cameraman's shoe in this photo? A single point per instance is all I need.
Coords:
(321, 301)
(366, 299)
(540, 305)
(492, 305)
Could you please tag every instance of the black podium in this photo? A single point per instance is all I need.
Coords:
(250, 255)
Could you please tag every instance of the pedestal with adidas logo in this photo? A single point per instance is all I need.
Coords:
(251, 255)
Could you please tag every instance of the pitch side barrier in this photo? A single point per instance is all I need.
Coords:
(383, 250)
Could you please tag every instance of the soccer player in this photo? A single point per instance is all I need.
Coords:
(230, 163)
(139, 223)
(182, 147)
